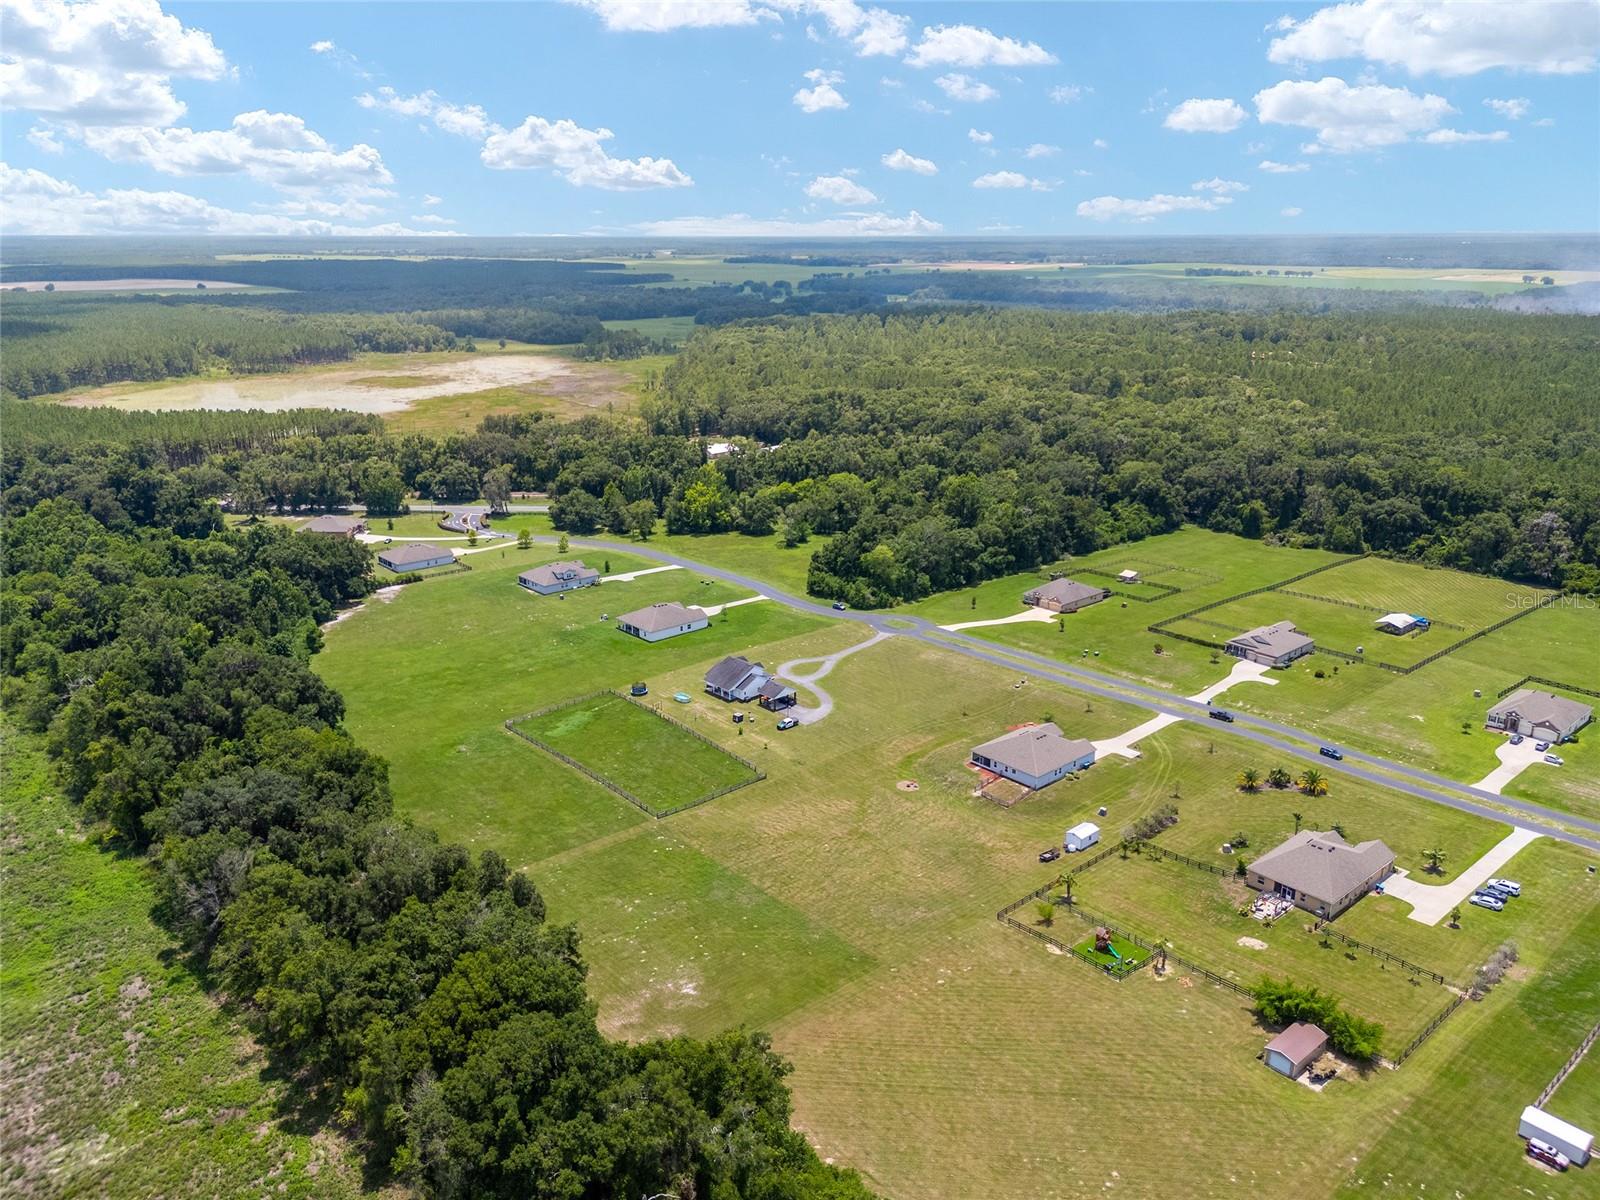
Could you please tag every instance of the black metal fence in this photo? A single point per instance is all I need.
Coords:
(1359, 607)
(1271, 587)
(1561, 1075)
(1157, 853)
(1428, 1030)
(1326, 928)
(757, 774)
(1555, 683)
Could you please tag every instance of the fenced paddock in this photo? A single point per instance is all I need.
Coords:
(1157, 580)
(652, 761)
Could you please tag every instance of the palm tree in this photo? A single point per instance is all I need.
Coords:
(1455, 917)
(1435, 859)
(1249, 779)
(1278, 778)
(1312, 782)
(1296, 817)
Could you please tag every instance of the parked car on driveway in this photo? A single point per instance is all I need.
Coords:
(1488, 900)
(1517, 739)
(1555, 760)
(1509, 886)
(787, 723)
(1221, 714)
(1541, 747)
(1051, 854)
(1330, 752)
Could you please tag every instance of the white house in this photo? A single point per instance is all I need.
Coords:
(1081, 837)
(1127, 577)
(1034, 756)
(1577, 1144)
(659, 622)
(559, 577)
(414, 556)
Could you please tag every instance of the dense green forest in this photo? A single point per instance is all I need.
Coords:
(403, 982)
(943, 447)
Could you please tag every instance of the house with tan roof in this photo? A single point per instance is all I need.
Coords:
(658, 622)
(1321, 872)
(335, 526)
(1064, 595)
(1035, 755)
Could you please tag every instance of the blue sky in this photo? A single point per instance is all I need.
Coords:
(799, 117)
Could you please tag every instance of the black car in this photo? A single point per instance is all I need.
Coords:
(1330, 752)
(1051, 854)
(1221, 714)
(839, 606)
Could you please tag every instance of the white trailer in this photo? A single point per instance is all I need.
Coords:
(1575, 1143)
(1081, 837)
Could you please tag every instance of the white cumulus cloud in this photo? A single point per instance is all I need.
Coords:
(1206, 116)
(872, 31)
(1068, 93)
(430, 200)
(1349, 118)
(970, 46)
(1548, 37)
(1453, 137)
(1010, 180)
(963, 87)
(322, 47)
(577, 155)
(101, 62)
(838, 189)
(823, 95)
(1291, 211)
(1513, 109)
(980, 136)
(900, 160)
(745, 225)
(1113, 208)
(1278, 168)
(463, 120)
(1041, 150)
(1221, 187)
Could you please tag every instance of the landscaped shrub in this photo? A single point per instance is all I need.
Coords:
(1493, 971)
(1153, 823)
(1285, 1002)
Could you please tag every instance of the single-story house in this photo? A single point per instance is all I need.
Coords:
(1399, 622)
(1577, 1144)
(335, 526)
(1064, 595)
(1542, 715)
(661, 621)
(1321, 872)
(414, 556)
(716, 450)
(1271, 645)
(559, 577)
(1080, 837)
(736, 678)
(1035, 755)
(1127, 577)
(1295, 1049)
(776, 695)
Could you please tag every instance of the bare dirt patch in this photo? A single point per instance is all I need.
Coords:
(1251, 943)
(908, 785)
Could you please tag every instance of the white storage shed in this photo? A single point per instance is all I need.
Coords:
(1081, 837)
(1575, 1143)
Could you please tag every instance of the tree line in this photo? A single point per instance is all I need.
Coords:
(412, 986)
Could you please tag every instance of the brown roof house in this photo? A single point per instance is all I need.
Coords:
(1321, 872)
(1035, 755)
(549, 578)
(661, 621)
(1063, 595)
(1295, 1049)
(1542, 715)
(335, 526)
(1271, 645)
(414, 556)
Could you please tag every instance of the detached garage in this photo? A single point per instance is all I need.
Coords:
(1295, 1049)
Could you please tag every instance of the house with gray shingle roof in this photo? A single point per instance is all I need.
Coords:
(549, 578)
(658, 622)
(1035, 755)
(1271, 645)
(1064, 595)
(335, 526)
(414, 556)
(1321, 872)
(1541, 715)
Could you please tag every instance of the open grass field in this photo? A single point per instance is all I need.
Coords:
(675, 330)
(637, 750)
(1367, 278)
(1198, 914)
(855, 919)
(121, 1077)
(1578, 1098)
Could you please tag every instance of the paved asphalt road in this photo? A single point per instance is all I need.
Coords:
(1385, 772)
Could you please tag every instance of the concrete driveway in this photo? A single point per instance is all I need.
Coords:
(1431, 903)
(1028, 614)
(1242, 672)
(1514, 760)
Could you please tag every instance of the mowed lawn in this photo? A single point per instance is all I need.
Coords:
(644, 754)
(940, 1052)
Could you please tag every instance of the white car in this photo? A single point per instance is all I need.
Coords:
(1555, 760)
(1488, 900)
(1509, 886)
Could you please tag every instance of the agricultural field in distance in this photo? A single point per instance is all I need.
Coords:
(854, 917)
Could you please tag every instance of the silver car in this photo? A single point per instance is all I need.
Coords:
(1489, 900)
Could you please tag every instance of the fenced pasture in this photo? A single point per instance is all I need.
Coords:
(648, 759)
(1156, 897)
(1157, 580)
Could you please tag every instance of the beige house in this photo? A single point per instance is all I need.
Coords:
(1541, 715)
(335, 526)
(1321, 872)
(1035, 755)
(1271, 645)
(1063, 595)
(659, 622)
(558, 577)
